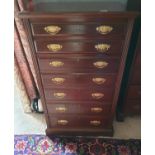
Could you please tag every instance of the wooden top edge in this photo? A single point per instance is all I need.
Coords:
(126, 14)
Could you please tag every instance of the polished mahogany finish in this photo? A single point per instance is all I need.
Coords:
(80, 46)
(79, 59)
(79, 65)
(119, 29)
(82, 80)
(74, 6)
(67, 121)
(65, 107)
(102, 94)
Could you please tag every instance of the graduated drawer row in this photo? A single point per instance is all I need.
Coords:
(104, 28)
(78, 80)
(78, 94)
(57, 63)
(74, 107)
(78, 121)
(96, 46)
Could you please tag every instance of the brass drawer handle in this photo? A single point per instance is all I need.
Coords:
(100, 64)
(59, 95)
(95, 122)
(52, 29)
(96, 109)
(102, 47)
(104, 29)
(58, 80)
(99, 81)
(97, 95)
(62, 122)
(56, 63)
(61, 109)
(54, 47)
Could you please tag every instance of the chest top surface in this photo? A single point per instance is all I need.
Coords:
(75, 5)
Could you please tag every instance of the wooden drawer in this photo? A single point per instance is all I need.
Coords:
(77, 80)
(80, 108)
(66, 121)
(103, 94)
(134, 92)
(69, 64)
(101, 29)
(108, 47)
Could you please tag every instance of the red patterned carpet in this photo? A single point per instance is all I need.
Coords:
(42, 145)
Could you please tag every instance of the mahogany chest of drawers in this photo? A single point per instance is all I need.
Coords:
(79, 59)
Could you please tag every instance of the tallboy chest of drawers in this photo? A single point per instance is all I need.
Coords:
(79, 50)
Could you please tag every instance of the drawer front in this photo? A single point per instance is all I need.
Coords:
(53, 29)
(81, 65)
(134, 92)
(73, 108)
(104, 46)
(79, 94)
(66, 121)
(78, 80)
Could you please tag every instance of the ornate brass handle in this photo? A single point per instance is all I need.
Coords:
(102, 47)
(100, 64)
(52, 29)
(59, 95)
(58, 80)
(96, 109)
(99, 81)
(61, 109)
(104, 29)
(54, 47)
(56, 63)
(97, 95)
(62, 122)
(95, 122)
